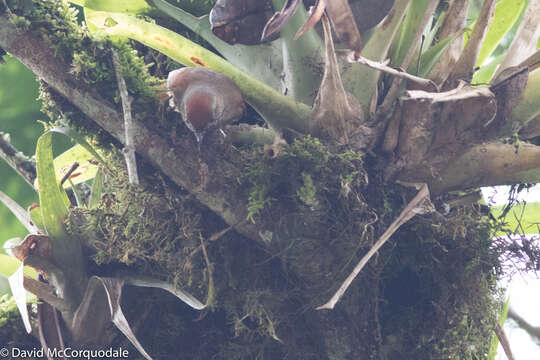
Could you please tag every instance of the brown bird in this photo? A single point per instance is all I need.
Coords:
(206, 99)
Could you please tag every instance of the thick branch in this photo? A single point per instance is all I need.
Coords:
(179, 161)
(491, 164)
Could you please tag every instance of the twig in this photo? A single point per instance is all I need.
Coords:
(69, 172)
(19, 162)
(501, 335)
(412, 209)
(424, 84)
(129, 148)
(534, 331)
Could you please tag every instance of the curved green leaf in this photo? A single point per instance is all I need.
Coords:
(53, 201)
(67, 251)
(277, 109)
(431, 56)
(263, 62)
(124, 6)
(485, 74)
(35, 216)
(81, 140)
(301, 56)
(97, 190)
(414, 19)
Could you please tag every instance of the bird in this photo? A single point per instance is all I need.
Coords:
(205, 99)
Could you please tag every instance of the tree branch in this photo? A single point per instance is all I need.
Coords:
(491, 164)
(19, 162)
(534, 331)
(41, 58)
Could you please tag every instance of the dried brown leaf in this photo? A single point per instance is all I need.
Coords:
(279, 19)
(315, 14)
(344, 24)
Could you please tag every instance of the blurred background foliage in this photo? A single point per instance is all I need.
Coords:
(19, 115)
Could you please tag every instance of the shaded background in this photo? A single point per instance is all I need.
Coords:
(19, 115)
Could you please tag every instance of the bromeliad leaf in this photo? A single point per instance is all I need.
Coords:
(100, 305)
(97, 190)
(19, 294)
(77, 154)
(506, 14)
(53, 200)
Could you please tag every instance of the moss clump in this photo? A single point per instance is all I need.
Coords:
(441, 271)
(12, 331)
(89, 60)
(153, 227)
(305, 174)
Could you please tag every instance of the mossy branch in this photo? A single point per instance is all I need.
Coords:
(278, 110)
(41, 58)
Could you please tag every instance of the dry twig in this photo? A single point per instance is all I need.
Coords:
(129, 149)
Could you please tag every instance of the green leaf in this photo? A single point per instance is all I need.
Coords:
(82, 142)
(67, 251)
(97, 190)
(76, 154)
(124, 6)
(9, 264)
(300, 56)
(506, 14)
(431, 56)
(53, 201)
(485, 74)
(362, 81)
(251, 59)
(408, 30)
(35, 216)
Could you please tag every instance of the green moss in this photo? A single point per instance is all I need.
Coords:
(12, 331)
(90, 62)
(305, 173)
